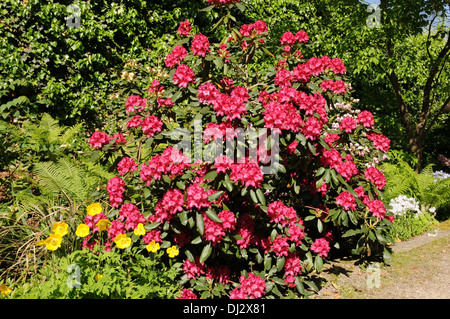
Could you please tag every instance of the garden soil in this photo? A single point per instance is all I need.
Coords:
(419, 270)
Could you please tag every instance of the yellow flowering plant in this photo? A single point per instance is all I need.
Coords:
(122, 241)
(153, 247)
(140, 230)
(82, 230)
(94, 209)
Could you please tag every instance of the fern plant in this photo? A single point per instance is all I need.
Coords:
(402, 179)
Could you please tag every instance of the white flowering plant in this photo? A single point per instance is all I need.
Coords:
(411, 218)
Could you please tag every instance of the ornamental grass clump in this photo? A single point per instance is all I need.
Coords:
(248, 177)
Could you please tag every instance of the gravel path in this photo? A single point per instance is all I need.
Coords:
(420, 270)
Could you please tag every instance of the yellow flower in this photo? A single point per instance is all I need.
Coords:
(98, 277)
(102, 224)
(82, 230)
(172, 251)
(5, 290)
(94, 209)
(122, 241)
(153, 247)
(140, 230)
(53, 242)
(60, 229)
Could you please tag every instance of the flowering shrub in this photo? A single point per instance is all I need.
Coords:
(283, 172)
(411, 218)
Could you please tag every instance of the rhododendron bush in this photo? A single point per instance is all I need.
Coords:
(251, 177)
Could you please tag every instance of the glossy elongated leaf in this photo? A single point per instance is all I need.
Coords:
(206, 252)
(200, 223)
(212, 215)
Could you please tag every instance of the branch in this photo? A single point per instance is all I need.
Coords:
(428, 36)
(438, 113)
(431, 75)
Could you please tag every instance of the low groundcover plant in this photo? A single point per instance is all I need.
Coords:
(248, 177)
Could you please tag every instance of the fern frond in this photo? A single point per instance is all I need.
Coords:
(51, 126)
(68, 135)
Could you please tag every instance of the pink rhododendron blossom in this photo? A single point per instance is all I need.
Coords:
(187, 294)
(330, 158)
(337, 87)
(283, 78)
(135, 121)
(365, 118)
(115, 189)
(282, 116)
(135, 103)
(184, 28)
(249, 174)
(171, 204)
(176, 56)
(321, 246)
(200, 45)
(348, 124)
(126, 165)
(380, 141)
(230, 107)
(183, 76)
(207, 93)
(193, 269)
(278, 212)
(130, 213)
(99, 139)
(377, 208)
(116, 228)
(197, 197)
(373, 175)
(312, 128)
(292, 265)
(346, 200)
(252, 287)
(151, 125)
(280, 246)
(347, 169)
(215, 231)
(171, 161)
(152, 235)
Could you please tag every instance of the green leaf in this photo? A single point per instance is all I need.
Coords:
(253, 196)
(240, 6)
(312, 148)
(215, 196)
(206, 252)
(280, 263)
(152, 226)
(227, 183)
(319, 225)
(318, 263)
(200, 223)
(279, 281)
(351, 232)
(267, 262)
(212, 215)
(183, 217)
(300, 287)
(211, 175)
(261, 197)
(209, 8)
(189, 255)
